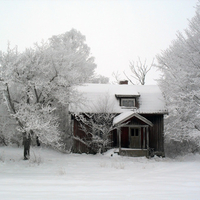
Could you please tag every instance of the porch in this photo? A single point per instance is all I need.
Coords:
(132, 135)
(132, 152)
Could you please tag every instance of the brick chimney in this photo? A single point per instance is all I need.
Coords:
(124, 82)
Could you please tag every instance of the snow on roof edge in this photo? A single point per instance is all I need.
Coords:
(150, 100)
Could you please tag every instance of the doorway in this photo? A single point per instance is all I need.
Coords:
(135, 138)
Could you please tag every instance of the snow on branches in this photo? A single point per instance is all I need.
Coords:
(98, 129)
(39, 79)
(180, 65)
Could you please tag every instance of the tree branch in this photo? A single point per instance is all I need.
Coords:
(128, 78)
(140, 70)
(11, 105)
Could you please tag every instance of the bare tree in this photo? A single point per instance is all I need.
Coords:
(139, 71)
(117, 77)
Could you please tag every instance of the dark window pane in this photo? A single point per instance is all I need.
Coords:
(136, 132)
(128, 102)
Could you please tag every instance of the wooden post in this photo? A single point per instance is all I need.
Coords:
(147, 141)
(117, 137)
(119, 133)
(143, 138)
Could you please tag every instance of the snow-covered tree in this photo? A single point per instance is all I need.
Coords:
(180, 64)
(98, 125)
(42, 78)
(8, 134)
(100, 79)
(98, 128)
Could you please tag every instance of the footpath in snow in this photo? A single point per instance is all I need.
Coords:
(51, 175)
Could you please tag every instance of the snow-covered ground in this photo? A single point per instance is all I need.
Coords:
(53, 176)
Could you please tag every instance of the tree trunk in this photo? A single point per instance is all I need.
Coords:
(27, 144)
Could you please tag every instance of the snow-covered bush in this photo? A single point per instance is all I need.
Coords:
(62, 171)
(36, 159)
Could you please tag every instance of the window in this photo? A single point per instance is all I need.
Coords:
(134, 132)
(128, 102)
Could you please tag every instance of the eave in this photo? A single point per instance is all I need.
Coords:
(126, 96)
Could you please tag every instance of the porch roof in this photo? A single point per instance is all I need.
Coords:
(128, 115)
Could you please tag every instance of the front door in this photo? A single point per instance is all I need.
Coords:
(135, 138)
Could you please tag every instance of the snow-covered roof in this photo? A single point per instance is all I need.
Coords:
(98, 98)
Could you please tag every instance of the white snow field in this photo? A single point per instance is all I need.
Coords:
(50, 175)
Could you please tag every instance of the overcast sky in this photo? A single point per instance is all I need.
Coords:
(117, 31)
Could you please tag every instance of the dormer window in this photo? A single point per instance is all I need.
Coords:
(129, 103)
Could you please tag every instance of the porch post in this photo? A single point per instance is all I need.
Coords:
(143, 138)
(147, 141)
(119, 133)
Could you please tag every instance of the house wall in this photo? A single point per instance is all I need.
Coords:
(78, 145)
(156, 133)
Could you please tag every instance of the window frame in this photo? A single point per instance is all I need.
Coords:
(127, 99)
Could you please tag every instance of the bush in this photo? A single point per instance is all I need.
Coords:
(177, 148)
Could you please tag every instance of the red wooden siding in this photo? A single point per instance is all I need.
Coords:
(156, 133)
(79, 147)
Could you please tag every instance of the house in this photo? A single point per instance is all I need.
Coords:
(139, 120)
